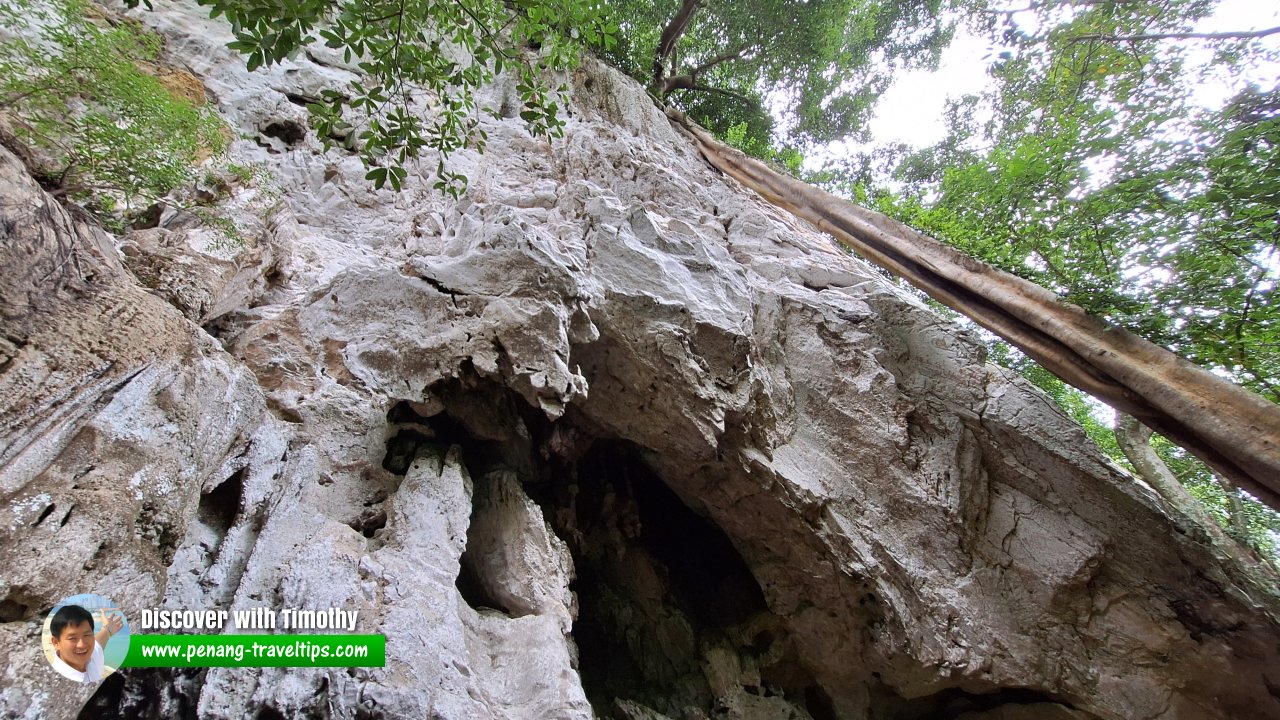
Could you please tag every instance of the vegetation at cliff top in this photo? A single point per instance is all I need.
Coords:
(421, 51)
(83, 98)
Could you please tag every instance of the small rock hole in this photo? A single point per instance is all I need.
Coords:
(13, 611)
(370, 522)
(473, 591)
(220, 506)
(47, 512)
(402, 449)
(287, 131)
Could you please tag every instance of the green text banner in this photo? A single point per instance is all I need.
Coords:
(256, 651)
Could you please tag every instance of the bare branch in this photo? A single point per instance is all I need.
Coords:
(671, 34)
(1236, 432)
(690, 79)
(1235, 35)
(687, 83)
(736, 54)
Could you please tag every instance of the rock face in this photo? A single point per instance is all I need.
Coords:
(606, 437)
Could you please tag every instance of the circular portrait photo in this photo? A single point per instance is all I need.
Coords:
(85, 637)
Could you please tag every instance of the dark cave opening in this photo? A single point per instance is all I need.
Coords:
(13, 611)
(659, 587)
(17, 605)
(661, 590)
(219, 507)
(657, 584)
(106, 699)
(267, 712)
(960, 703)
(417, 428)
(402, 448)
(670, 618)
(473, 591)
(288, 131)
(372, 519)
(146, 694)
(712, 583)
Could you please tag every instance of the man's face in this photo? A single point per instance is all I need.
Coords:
(75, 645)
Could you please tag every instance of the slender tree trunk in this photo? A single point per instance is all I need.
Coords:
(1134, 439)
(1234, 35)
(670, 36)
(1235, 509)
(1235, 432)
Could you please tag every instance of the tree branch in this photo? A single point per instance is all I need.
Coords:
(1234, 431)
(690, 79)
(1134, 440)
(1236, 35)
(493, 43)
(671, 34)
(735, 54)
(691, 85)
(1235, 510)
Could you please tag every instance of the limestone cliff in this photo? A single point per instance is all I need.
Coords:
(606, 437)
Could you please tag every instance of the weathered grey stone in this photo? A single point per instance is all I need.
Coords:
(605, 433)
(202, 286)
(120, 415)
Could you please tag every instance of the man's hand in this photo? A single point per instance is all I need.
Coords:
(110, 623)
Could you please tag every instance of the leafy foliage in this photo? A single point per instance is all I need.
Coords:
(1176, 244)
(818, 64)
(1102, 181)
(102, 130)
(787, 159)
(420, 50)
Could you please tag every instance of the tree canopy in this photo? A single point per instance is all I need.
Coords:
(817, 65)
(92, 113)
(1099, 177)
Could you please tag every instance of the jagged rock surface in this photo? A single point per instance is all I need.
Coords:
(607, 436)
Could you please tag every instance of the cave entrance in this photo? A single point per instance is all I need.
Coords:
(657, 584)
(670, 618)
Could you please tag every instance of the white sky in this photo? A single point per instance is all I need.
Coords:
(912, 109)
